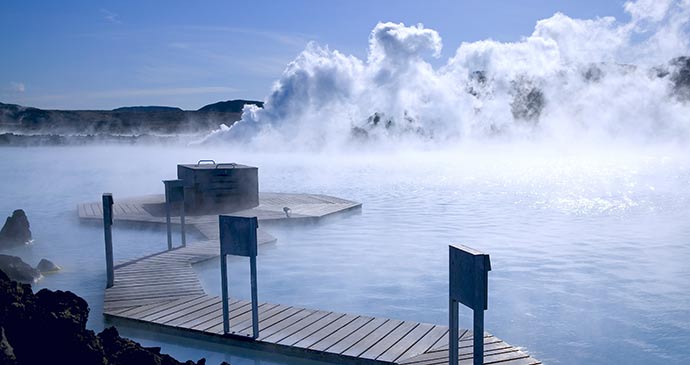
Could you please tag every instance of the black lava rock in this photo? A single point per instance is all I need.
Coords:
(16, 230)
(18, 270)
(49, 327)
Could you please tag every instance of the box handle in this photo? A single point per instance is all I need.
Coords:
(200, 161)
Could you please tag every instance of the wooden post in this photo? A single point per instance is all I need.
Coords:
(183, 232)
(107, 230)
(238, 238)
(255, 298)
(174, 193)
(453, 333)
(469, 273)
(168, 223)
(478, 348)
(224, 292)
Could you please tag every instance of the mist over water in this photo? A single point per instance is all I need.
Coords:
(592, 80)
(563, 155)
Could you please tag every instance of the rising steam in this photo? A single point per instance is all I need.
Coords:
(571, 78)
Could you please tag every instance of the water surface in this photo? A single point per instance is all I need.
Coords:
(589, 248)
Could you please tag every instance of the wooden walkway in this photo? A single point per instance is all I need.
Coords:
(150, 209)
(162, 290)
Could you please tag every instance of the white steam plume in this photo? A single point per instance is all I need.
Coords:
(593, 79)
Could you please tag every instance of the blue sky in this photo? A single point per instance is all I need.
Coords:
(105, 54)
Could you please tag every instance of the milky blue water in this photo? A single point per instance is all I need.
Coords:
(590, 248)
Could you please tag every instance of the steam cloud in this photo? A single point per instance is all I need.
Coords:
(571, 78)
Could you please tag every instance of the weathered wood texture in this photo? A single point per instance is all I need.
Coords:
(147, 209)
(163, 290)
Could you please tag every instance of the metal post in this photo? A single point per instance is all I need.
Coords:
(174, 194)
(183, 232)
(468, 270)
(453, 334)
(167, 223)
(107, 229)
(238, 238)
(224, 294)
(478, 349)
(255, 298)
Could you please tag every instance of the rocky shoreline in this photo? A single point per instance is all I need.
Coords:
(49, 327)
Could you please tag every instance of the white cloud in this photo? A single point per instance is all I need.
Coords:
(653, 10)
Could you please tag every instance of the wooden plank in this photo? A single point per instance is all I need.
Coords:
(108, 306)
(155, 273)
(425, 343)
(466, 336)
(206, 308)
(443, 342)
(400, 347)
(208, 314)
(177, 309)
(341, 333)
(326, 331)
(133, 283)
(490, 344)
(170, 289)
(263, 317)
(168, 267)
(355, 336)
(188, 310)
(235, 311)
(127, 284)
(160, 296)
(138, 313)
(372, 338)
(278, 326)
(89, 209)
(309, 330)
(295, 327)
(387, 341)
(80, 211)
(238, 320)
(213, 319)
(240, 323)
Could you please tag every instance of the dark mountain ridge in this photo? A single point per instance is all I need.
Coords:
(132, 120)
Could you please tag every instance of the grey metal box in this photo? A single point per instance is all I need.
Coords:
(222, 187)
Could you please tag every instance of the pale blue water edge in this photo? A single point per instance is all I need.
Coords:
(589, 248)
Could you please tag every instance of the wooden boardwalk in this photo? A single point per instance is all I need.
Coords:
(163, 291)
(150, 209)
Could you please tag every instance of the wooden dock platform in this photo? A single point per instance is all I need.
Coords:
(163, 292)
(149, 209)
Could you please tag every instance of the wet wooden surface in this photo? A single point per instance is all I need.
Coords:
(163, 290)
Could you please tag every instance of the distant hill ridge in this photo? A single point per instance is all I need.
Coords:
(151, 108)
(230, 106)
(129, 120)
